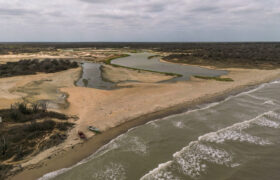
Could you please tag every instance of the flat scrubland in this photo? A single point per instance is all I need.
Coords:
(53, 68)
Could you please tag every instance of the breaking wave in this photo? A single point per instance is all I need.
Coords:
(192, 160)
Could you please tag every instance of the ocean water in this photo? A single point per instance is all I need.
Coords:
(237, 138)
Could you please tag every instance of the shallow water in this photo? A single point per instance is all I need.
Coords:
(237, 138)
(91, 76)
(141, 61)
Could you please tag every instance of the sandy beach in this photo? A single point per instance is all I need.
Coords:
(116, 111)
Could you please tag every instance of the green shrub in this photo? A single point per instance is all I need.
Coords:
(214, 78)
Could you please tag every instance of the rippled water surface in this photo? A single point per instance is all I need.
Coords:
(238, 138)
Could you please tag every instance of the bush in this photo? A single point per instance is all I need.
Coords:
(47, 125)
(21, 112)
(63, 126)
(28, 67)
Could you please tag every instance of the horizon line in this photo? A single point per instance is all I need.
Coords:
(2, 42)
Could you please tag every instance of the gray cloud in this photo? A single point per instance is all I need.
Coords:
(207, 9)
(16, 12)
(156, 8)
(56, 14)
(97, 1)
(139, 20)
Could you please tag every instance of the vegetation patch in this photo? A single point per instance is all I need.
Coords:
(108, 61)
(154, 56)
(27, 129)
(18, 48)
(134, 51)
(214, 78)
(85, 81)
(4, 170)
(28, 67)
(22, 112)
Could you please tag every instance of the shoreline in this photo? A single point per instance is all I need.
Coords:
(72, 156)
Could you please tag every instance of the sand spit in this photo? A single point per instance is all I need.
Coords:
(120, 74)
(118, 110)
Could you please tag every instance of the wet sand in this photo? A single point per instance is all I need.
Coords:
(114, 112)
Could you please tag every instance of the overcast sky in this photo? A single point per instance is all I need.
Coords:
(139, 20)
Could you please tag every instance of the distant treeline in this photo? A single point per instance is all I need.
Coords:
(219, 54)
(260, 55)
(232, 51)
(18, 48)
(167, 47)
(28, 67)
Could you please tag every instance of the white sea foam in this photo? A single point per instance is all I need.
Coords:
(276, 82)
(222, 136)
(273, 115)
(153, 124)
(54, 174)
(178, 124)
(270, 102)
(191, 158)
(135, 144)
(234, 132)
(112, 171)
(160, 173)
(113, 144)
(126, 143)
(263, 121)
